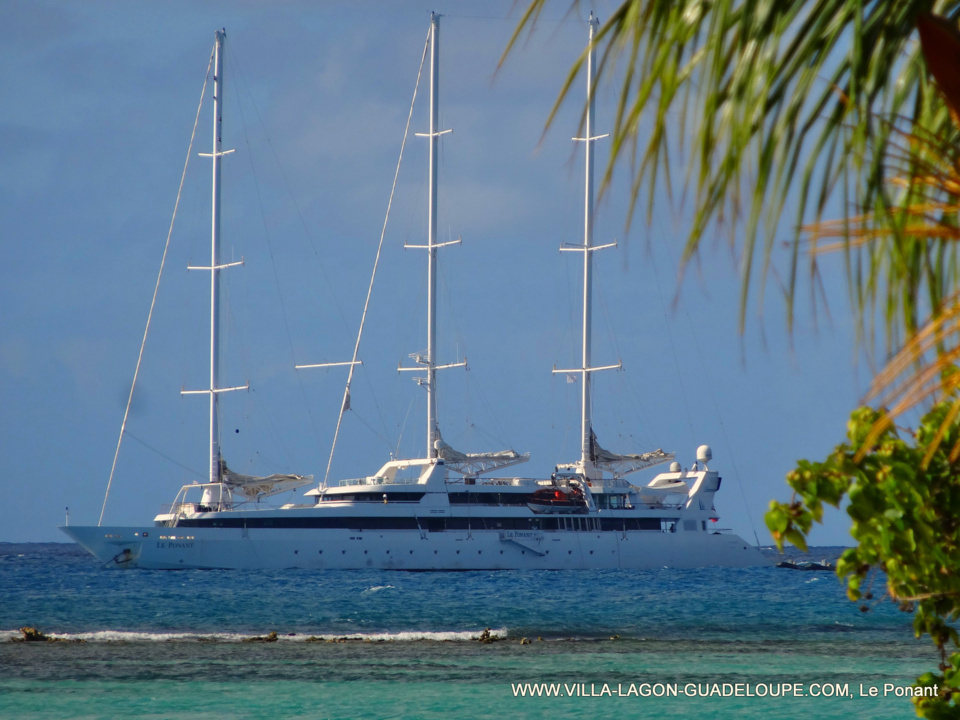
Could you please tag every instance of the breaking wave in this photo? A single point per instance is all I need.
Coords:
(106, 636)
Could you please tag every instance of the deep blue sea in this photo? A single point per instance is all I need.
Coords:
(752, 643)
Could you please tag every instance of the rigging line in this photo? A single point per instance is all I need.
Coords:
(286, 183)
(499, 430)
(716, 407)
(376, 405)
(266, 231)
(625, 388)
(451, 320)
(376, 264)
(380, 436)
(404, 426)
(673, 347)
(153, 302)
(723, 430)
(507, 18)
(180, 465)
(569, 342)
(277, 437)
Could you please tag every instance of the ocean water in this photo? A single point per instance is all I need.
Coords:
(749, 643)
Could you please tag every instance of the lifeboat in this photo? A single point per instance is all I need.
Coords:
(557, 500)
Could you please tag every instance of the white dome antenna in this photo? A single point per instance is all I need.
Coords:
(704, 455)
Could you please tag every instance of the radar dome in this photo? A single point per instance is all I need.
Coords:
(704, 454)
(674, 466)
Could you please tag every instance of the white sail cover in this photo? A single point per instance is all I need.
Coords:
(254, 487)
(621, 465)
(473, 464)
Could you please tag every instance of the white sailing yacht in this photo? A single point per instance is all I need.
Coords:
(441, 512)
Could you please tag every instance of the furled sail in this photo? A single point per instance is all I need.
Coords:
(621, 465)
(253, 487)
(474, 464)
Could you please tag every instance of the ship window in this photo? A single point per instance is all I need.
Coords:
(487, 498)
(373, 496)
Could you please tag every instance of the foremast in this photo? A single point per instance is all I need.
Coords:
(593, 459)
(215, 466)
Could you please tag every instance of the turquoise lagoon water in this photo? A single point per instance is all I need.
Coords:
(751, 643)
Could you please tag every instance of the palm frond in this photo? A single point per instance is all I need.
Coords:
(775, 105)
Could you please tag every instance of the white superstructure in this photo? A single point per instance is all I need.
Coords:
(439, 512)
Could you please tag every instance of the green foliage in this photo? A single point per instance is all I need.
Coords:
(774, 102)
(904, 501)
(818, 103)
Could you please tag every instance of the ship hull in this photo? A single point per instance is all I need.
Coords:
(277, 548)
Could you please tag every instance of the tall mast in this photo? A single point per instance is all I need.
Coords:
(587, 450)
(586, 426)
(215, 266)
(432, 429)
(429, 361)
(215, 260)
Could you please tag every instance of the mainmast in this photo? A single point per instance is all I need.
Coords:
(215, 266)
(587, 445)
(429, 361)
